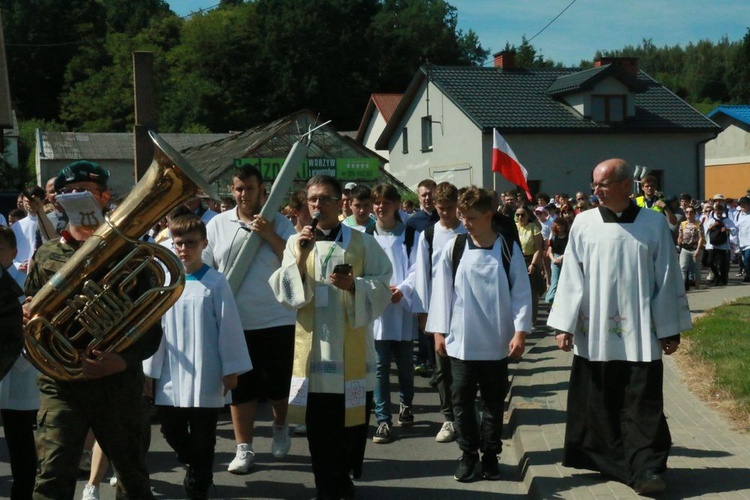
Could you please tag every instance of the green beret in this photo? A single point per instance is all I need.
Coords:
(81, 171)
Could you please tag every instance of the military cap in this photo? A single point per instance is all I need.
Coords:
(81, 171)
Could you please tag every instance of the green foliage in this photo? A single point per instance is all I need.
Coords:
(720, 338)
(249, 62)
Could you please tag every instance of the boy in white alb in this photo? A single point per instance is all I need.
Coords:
(396, 328)
(480, 315)
(201, 354)
(431, 243)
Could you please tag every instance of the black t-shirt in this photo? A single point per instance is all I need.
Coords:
(558, 244)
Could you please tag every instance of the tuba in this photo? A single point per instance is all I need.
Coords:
(97, 300)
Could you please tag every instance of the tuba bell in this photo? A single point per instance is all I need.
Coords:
(97, 301)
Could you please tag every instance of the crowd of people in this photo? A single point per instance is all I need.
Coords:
(347, 280)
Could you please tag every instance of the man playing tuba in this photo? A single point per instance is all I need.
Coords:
(109, 398)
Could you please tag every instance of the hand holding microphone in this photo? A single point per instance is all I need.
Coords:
(303, 244)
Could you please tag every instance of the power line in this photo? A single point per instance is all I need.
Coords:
(553, 20)
(58, 44)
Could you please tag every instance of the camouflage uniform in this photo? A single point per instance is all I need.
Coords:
(11, 317)
(112, 407)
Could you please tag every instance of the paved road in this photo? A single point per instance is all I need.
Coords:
(708, 460)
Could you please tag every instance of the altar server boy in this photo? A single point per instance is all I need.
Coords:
(396, 328)
(480, 313)
(202, 352)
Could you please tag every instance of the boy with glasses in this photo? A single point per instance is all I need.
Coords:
(198, 360)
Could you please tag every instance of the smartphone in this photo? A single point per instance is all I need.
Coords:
(342, 269)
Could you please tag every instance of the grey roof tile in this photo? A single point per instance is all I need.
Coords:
(518, 100)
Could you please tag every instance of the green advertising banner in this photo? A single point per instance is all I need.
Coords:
(343, 169)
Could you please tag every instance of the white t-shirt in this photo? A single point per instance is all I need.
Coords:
(255, 300)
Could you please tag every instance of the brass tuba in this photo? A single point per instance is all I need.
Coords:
(96, 300)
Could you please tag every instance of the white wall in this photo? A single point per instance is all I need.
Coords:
(456, 155)
(374, 130)
(732, 145)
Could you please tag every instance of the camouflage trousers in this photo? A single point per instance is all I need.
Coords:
(114, 409)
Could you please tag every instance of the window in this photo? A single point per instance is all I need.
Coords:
(405, 141)
(608, 108)
(427, 133)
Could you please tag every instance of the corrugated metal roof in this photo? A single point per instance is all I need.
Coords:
(273, 140)
(740, 112)
(109, 146)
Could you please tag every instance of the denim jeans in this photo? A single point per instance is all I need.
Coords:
(688, 265)
(746, 262)
(492, 379)
(400, 352)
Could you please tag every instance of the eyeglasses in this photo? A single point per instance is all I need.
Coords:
(186, 243)
(520, 215)
(322, 200)
(580, 199)
(78, 190)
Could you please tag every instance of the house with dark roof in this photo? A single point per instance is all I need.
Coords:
(560, 122)
(728, 156)
(380, 109)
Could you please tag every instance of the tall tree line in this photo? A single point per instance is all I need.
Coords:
(241, 64)
(249, 62)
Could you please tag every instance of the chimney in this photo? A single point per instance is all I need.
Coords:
(505, 59)
(629, 64)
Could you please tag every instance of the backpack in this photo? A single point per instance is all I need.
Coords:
(716, 236)
(409, 236)
(459, 245)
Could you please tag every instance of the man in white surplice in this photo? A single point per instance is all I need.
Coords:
(338, 280)
(621, 303)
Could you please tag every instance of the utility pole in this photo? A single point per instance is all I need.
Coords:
(145, 110)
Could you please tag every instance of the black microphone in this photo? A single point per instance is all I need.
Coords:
(313, 224)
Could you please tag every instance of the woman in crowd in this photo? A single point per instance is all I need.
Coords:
(555, 251)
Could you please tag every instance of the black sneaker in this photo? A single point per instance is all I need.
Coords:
(490, 467)
(382, 434)
(466, 465)
(649, 481)
(405, 416)
(189, 482)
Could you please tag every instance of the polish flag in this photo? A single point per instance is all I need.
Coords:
(505, 163)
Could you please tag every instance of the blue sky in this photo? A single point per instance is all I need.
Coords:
(588, 25)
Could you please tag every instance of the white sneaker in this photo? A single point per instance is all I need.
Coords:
(113, 481)
(90, 492)
(281, 441)
(243, 460)
(447, 433)
(300, 430)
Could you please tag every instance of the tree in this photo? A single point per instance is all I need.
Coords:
(42, 36)
(738, 77)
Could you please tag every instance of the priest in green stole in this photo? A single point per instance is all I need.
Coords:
(337, 279)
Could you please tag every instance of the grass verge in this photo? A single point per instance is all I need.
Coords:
(715, 356)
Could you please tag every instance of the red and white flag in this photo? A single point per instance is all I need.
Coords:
(505, 163)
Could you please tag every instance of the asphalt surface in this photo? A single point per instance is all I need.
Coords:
(709, 459)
